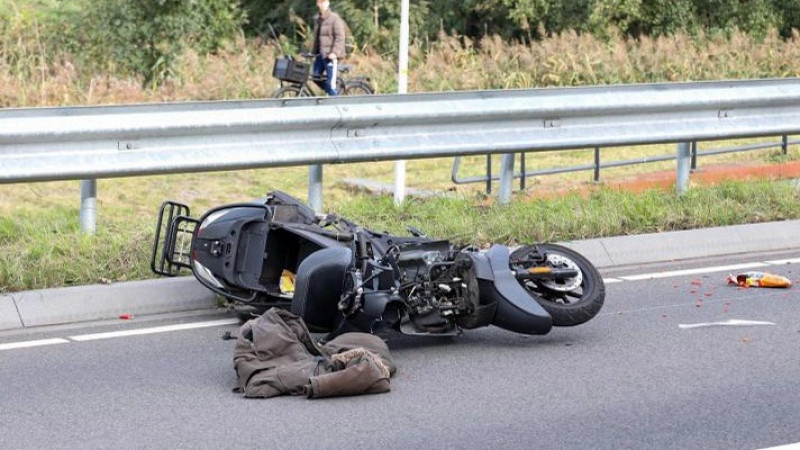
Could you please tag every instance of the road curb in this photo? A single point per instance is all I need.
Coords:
(689, 244)
(101, 302)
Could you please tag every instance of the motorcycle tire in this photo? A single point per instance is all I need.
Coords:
(570, 301)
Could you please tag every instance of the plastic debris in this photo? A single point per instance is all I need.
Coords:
(732, 322)
(287, 282)
(759, 279)
(126, 316)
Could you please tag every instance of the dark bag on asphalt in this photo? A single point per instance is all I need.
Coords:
(276, 355)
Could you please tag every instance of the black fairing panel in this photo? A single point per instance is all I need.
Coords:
(516, 310)
(318, 287)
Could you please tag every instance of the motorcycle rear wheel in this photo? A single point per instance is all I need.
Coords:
(570, 301)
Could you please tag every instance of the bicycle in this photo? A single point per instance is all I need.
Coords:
(296, 80)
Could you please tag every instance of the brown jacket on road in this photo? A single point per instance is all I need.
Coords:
(276, 355)
(329, 34)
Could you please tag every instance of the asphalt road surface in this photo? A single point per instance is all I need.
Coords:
(634, 377)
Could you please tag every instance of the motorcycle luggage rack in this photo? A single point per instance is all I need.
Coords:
(173, 239)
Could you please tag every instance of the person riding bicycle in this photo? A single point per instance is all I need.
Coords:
(329, 36)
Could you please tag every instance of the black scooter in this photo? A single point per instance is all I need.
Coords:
(339, 276)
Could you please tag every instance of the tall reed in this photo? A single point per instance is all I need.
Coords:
(31, 74)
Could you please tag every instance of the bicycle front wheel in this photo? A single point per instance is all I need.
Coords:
(358, 87)
(290, 92)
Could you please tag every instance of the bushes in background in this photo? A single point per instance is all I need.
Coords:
(142, 37)
(375, 23)
(54, 51)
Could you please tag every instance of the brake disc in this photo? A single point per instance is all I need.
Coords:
(566, 284)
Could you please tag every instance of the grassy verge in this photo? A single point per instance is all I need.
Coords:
(43, 246)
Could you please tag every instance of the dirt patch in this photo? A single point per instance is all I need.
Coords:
(665, 180)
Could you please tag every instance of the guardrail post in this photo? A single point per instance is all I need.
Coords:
(683, 164)
(597, 164)
(489, 173)
(89, 206)
(506, 178)
(315, 187)
(785, 144)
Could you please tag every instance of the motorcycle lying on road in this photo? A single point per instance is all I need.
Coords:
(339, 276)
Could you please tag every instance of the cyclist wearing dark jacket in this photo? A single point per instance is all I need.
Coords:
(329, 30)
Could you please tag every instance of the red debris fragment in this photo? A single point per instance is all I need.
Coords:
(126, 316)
(697, 282)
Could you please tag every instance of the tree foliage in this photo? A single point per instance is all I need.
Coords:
(145, 37)
(376, 22)
(142, 37)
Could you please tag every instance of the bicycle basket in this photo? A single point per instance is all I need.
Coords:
(287, 69)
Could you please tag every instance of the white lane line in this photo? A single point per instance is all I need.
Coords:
(778, 262)
(730, 323)
(611, 280)
(37, 343)
(152, 330)
(794, 446)
(677, 273)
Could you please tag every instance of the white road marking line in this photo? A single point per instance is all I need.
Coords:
(778, 262)
(152, 330)
(37, 343)
(794, 446)
(676, 273)
(732, 322)
(611, 280)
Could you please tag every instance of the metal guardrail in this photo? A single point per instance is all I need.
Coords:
(101, 142)
(596, 165)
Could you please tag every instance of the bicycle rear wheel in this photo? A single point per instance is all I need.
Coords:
(290, 92)
(358, 87)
